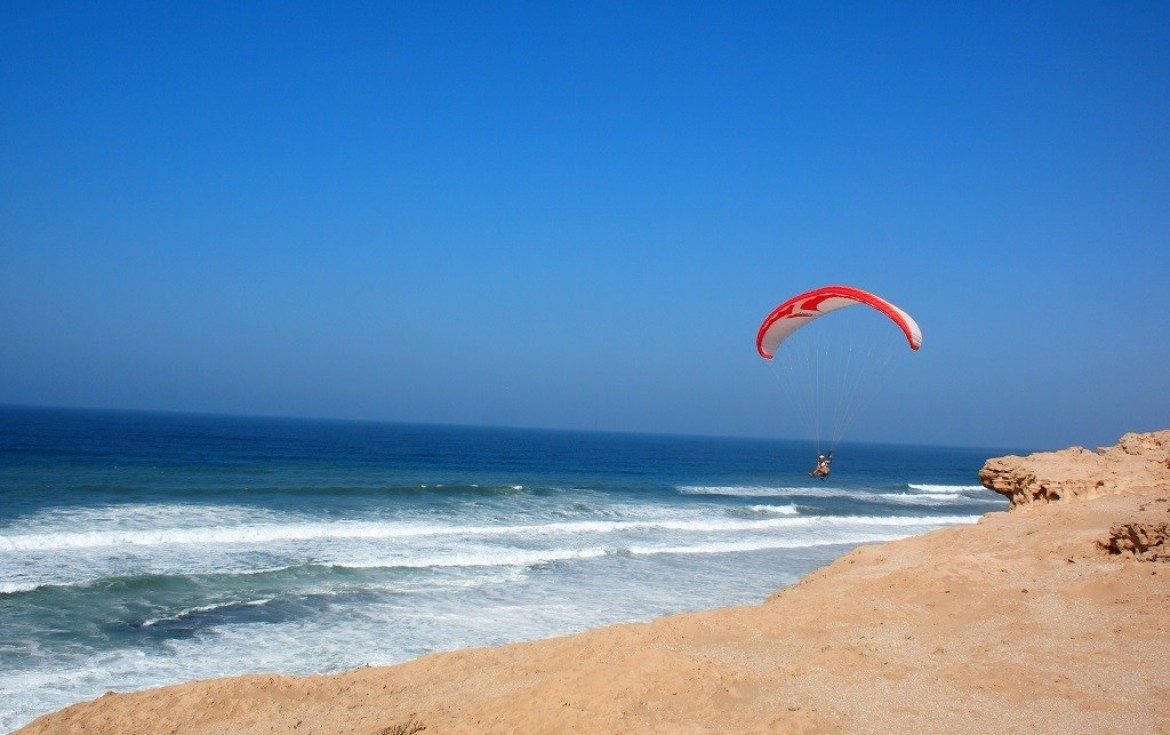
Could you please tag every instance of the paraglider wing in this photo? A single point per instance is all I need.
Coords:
(801, 310)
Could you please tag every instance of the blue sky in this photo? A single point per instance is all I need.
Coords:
(576, 215)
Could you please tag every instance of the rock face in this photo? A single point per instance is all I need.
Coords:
(1140, 463)
(1144, 540)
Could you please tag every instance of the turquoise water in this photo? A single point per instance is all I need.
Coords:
(143, 549)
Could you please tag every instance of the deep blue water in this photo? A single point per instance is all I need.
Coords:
(140, 549)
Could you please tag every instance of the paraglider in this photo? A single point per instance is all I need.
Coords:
(824, 465)
(803, 309)
(829, 380)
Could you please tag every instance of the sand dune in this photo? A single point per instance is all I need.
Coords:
(1053, 617)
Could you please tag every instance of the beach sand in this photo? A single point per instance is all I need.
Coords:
(1053, 617)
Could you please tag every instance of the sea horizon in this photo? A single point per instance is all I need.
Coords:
(807, 441)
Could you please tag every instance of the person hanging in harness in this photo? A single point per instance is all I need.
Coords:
(824, 464)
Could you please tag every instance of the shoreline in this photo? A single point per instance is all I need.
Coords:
(1049, 617)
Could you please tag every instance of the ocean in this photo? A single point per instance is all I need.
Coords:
(143, 549)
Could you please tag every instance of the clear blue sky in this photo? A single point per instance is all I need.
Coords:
(575, 215)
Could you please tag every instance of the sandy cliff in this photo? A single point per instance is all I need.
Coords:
(1051, 618)
(1140, 463)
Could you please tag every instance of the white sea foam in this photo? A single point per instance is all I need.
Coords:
(59, 560)
(787, 510)
(739, 547)
(749, 491)
(802, 533)
(200, 610)
(260, 535)
(927, 498)
(816, 491)
(948, 489)
(766, 491)
(11, 588)
(917, 494)
(475, 557)
(143, 515)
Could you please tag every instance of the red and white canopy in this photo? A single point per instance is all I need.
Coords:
(807, 307)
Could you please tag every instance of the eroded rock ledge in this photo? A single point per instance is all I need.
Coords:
(1139, 463)
(1147, 541)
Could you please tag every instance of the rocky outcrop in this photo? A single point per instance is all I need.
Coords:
(1144, 540)
(1139, 463)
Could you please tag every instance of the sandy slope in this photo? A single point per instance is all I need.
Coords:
(1051, 618)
